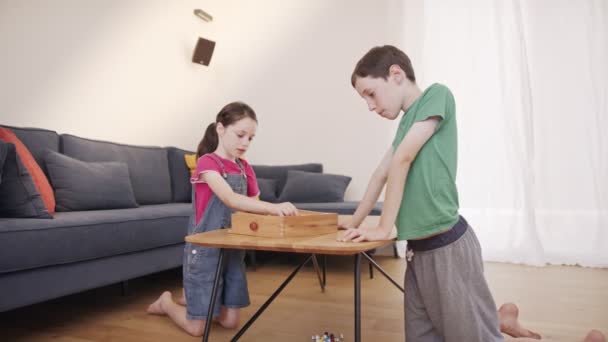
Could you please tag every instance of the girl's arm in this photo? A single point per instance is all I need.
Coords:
(374, 188)
(235, 201)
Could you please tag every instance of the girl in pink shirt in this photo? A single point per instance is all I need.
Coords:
(223, 182)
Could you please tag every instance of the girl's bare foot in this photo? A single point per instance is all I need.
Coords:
(507, 315)
(155, 308)
(595, 336)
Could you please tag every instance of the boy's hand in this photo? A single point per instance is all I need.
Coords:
(345, 224)
(284, 209)
(365, 234)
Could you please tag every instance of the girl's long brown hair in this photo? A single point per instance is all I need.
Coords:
(227, 116)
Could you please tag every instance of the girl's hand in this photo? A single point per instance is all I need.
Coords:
(284, 209)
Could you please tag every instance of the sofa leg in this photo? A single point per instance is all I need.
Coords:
(124, 288)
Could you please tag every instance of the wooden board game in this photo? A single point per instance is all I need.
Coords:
(306, 223)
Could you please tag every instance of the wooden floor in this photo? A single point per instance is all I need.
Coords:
(562, 303)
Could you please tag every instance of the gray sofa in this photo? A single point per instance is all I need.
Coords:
(41, 259)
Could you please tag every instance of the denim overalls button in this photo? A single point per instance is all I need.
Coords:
(194, 251)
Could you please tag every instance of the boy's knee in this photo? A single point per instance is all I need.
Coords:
(595, 336)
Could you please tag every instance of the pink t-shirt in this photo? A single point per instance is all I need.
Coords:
(208, 163)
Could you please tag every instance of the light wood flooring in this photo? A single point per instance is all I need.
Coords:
(562, 303)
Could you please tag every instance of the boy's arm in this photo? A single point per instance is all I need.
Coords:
(243, 203)
(400, 164)
(374, 188)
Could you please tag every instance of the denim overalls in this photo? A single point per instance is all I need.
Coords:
(200, 262)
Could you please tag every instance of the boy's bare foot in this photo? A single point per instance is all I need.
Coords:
(507, 315)
(155, 308)
(181, 301)
(595, 336)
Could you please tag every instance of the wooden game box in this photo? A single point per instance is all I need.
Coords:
(307, 223)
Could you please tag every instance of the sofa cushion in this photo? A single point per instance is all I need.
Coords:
(89, 186)
(268, 189)
(181, 188)
(191, 161)
(85, 235)
(28, 161)
(37, 141)
(148, 166)
(279, 172)
(341, 208)
(19, 196)
(312, 187)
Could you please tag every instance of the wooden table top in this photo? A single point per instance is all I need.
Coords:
(321, 244)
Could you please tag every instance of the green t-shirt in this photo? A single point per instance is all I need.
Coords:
(430, 199)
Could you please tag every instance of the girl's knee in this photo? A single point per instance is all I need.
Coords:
(196, 328)
(230, 318)
(230, 322)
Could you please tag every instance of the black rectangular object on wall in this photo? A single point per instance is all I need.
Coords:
(203, 51)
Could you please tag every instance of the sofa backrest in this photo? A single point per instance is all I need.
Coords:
(279, 172)
(37, 141)
(148, 166)
(180, 175)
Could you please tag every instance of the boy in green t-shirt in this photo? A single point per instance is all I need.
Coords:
(447, 297)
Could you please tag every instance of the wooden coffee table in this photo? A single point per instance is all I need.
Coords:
(323, 244)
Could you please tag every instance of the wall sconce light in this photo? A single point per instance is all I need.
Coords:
(203, 15)
(204, 47)
(203, 51)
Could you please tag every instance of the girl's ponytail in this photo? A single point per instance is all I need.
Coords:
(209, 142)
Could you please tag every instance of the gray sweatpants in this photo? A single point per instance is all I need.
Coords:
(447, 297)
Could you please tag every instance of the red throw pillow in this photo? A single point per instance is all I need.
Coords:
(39, 178)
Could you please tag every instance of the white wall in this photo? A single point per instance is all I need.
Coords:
(121, 71)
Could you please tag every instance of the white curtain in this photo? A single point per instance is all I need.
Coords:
(530, 80)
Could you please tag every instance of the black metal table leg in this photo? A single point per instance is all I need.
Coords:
(373, 262)
(324, 269)
(216, 284)
(124, 287)
(358, 297)
(318, 271)
(267, 303)
(252, 259)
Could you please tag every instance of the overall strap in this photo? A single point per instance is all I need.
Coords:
(241, 166)
(219, 161)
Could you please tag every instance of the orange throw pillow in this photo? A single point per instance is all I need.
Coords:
(39, 178)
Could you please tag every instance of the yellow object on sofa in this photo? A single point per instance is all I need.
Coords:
(190, 162)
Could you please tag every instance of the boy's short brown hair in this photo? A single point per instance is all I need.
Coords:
(377, 61)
